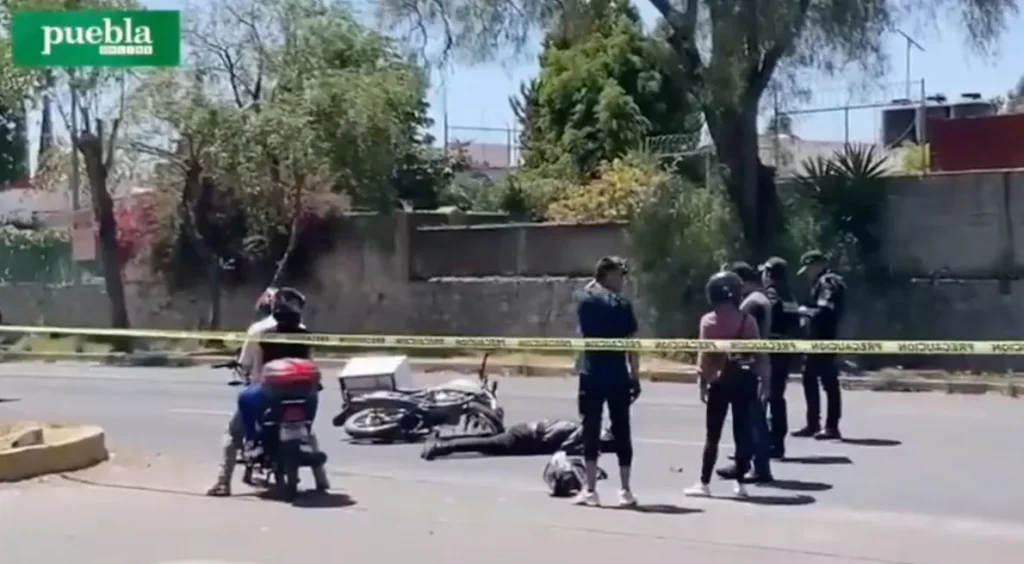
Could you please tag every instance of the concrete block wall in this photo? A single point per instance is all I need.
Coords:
(960, 235)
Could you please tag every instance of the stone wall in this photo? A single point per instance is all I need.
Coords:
(956, 226)
(955, 240)
(523, 249)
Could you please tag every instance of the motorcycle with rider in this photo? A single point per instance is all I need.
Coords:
(261, 365)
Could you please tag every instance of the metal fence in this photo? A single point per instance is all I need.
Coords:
(490, 148)
(802, 126)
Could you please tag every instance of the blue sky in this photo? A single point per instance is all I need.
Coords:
(478, 96)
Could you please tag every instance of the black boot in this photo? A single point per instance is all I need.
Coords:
(806, 432)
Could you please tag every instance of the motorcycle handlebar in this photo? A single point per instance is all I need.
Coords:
(227, 364)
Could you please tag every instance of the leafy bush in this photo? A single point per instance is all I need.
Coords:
(679, 235)
(839, 204)
(526, 195)
(619, 189)
(34, 255)
(239, 240)
(915, 159)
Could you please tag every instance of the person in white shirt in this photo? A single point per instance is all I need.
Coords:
(279, 310)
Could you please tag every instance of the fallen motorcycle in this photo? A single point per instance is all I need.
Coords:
(285, 439)
(407, 415)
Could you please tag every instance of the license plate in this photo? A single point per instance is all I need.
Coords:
(294, 432)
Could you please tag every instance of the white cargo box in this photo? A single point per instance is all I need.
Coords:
(373, 373)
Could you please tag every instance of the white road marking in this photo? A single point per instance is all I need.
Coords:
(217, 412)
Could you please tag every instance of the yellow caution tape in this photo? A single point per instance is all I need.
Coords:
(555, 344)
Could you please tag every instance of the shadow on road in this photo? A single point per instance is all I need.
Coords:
(661, 509)
(323, 500)
(814, 459)
(797, 486)
(7, 400)
(800, 499)
(872, 442)
(384, 442)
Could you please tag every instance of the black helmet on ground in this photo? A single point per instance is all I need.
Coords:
(723, 287)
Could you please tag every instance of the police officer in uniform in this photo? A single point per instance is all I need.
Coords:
(822, 315)
(785, 324)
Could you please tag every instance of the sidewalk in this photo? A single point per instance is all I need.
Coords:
(149, 512)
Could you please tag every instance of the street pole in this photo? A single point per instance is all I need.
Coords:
(75, 180)
(444, 107)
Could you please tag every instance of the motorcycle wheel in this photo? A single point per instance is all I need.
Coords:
(286, 476)
(480, 419)
(375, 424)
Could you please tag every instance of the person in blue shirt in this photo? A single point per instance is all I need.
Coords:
(607, 377)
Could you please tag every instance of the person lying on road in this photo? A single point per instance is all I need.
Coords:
(546, 436)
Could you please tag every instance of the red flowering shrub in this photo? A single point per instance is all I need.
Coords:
(135, 217)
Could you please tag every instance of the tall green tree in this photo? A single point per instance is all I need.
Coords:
(284, 105)
(729, 51)
(604, 86)
(93, 137)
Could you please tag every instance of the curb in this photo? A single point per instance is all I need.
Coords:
(86, 448)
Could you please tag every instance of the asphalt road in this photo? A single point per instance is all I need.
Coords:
(910, 455)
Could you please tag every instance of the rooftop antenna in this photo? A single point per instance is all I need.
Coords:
(910, 44)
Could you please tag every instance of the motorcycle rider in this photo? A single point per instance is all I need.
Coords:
(546, 436)
(282, 309)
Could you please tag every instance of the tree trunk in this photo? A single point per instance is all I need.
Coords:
(750, 184)
(293, 239)
(293, 234)
(194, 206)
(91, 147)
(213, 276)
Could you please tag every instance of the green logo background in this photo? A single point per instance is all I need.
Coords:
(28, 39)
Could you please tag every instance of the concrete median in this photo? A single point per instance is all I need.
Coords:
(30, 449)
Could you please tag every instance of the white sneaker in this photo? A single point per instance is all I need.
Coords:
(586, 498)
(698, 490)
(740, 490)
(626, 499)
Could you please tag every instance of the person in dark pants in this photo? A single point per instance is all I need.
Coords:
(607, 377)
(727, 380)
(756, 304)
(785, 324)
(546, 436)
(822, 314)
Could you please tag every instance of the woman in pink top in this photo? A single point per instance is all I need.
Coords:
(727, 379)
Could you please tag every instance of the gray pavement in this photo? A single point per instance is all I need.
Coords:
(927, 477)
(149, 514)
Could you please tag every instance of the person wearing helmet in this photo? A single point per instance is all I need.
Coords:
(284, 307)
(727, 380)
(756, 304)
